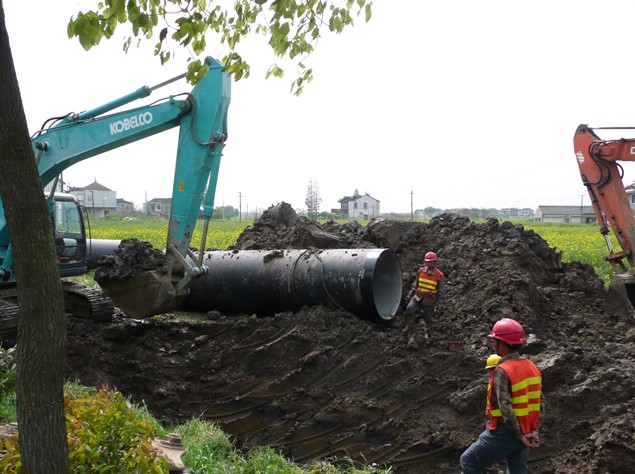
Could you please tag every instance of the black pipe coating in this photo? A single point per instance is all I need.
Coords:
(365, 282)
(97, 248)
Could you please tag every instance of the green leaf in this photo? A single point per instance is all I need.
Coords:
(274, 71)
(118, 7)
(292, 28)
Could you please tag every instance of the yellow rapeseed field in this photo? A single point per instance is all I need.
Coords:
(221, 234)
(578, 242)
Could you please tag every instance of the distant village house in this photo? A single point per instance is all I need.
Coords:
(358, 207)
(524, 213)
(584, 214)
(630, 193)
(573, 214)
(96, 198)
(159, 207)
(124, 207)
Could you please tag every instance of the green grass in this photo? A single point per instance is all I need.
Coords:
(8, 409)
(209, 450)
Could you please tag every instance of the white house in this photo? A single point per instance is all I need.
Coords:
(159, 207)
(98, 199)
(124, 207)
(630, 193)
(584, 214)
(359, 207)
(525, 212)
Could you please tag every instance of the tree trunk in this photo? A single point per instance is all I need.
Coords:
(41, 347)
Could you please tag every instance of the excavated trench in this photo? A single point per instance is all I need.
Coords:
(320, 382)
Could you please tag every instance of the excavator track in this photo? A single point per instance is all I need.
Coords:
(8, 323)
(86, 302)
(79, 300)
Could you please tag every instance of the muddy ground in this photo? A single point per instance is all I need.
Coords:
(321, 383)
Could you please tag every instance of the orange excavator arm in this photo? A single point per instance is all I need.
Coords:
(602, 175)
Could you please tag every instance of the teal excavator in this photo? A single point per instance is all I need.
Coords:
(366, 282)
(201, 116)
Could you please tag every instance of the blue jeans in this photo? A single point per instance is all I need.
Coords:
(492, 446)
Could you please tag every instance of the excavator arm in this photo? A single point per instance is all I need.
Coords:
(201, 116)
(602, 175)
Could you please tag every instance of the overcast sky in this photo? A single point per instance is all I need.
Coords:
(445, 104)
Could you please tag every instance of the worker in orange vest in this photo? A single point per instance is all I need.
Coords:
(426, 290)
(514, 406)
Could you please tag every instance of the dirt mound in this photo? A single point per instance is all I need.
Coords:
(279, 227)
(132, 257)
(322, 383)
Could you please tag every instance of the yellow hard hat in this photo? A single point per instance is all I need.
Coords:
(492, 360)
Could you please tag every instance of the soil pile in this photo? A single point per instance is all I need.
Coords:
(132, 257)
(323, 383)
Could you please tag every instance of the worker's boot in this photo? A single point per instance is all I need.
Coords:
(409, 322)
(423, 328)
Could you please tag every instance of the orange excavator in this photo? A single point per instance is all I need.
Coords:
(602, 175)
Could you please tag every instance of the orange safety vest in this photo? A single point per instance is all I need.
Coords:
(490, 387)
(427, 284)
(526, 385)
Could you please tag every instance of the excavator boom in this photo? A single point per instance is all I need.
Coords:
(143, 281)
(601, 173)
(201, 116)
(202, 135)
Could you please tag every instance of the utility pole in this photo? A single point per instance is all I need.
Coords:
(412, 212)
(581, 205)
(240, 206)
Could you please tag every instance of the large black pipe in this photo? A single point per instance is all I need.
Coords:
(365, 282)
(97, 248)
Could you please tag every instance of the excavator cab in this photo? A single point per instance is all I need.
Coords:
(70, 235)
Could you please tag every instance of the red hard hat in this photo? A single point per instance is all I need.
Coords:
(509, 331)
(430, 257)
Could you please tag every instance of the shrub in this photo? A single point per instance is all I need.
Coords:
(105, 434)
(7, 371)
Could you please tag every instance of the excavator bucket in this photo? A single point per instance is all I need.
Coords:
(140, 280)
(144, 294)
(620, 296)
